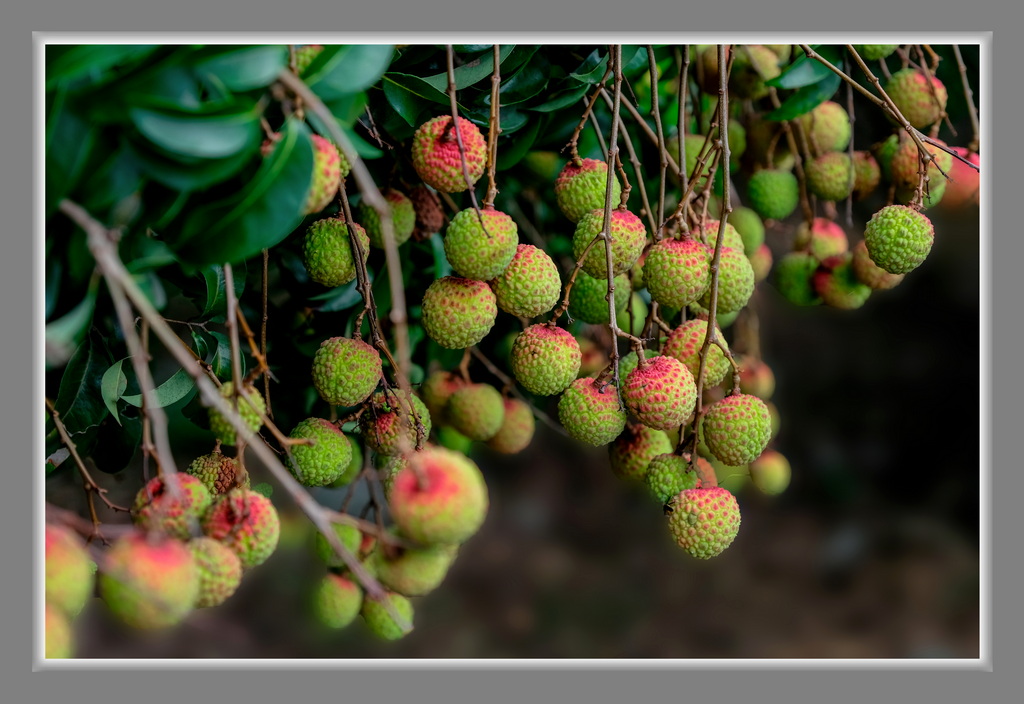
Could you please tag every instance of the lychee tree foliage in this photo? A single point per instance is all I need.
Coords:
(330, 266)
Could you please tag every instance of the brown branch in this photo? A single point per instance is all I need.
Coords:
(662, 151)
(637, 171)
(606, 230)
(798, 162)
(493, 131)
(969, 96)
(587, 111)
(263, 331)
(684, 65)
(458, 136)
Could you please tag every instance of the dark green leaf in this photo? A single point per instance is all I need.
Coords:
(152, 287)
(470, 73)
(112, 385)
(64, 335)
(592, 68)
(348, 108)
(418, 87)
(115, 445)
(187, 177)
(171, 391)
(69, 139)
(146, 253)
(217, 291)
(248, 67)
(406, 103)
(805, 99)
(806, 71)
(72, 62)
(197, 135)
(526, 83)
(516, 149)
(441, 266)
(79, 399)
(351, 69)
(339, 298)
(562, 100)
(220, 360)
(363, 148)
(53, 275)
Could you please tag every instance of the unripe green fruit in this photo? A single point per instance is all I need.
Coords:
(158, 509)
(435, 391)
(589, 414)
(829, 177)
(735, 282)
(304, 56)
(149, 583)
(756, 378)
(867, 174)
(837, 283)
(722, 320)
(327, 251)
(380, 622)
(793, 277)
(251, 407)
(516, 430)
(737, 429)
(70, 572)
(59, 636)
(871, 274)
(458, 312)
(323, 462)
(218, 473)
(391, 424)
(905, 166)
(752, 65)
(885, 151)
(732, 236)
(748, 224)
(933, 194)
(761, 263)
(477, 411)
(898, 238)
(910, 92)
(246, 522)
(403, 219)
(337, 600)
(704, 522)
(545, 359)
(773, 194)
(661, 392)
(414, 571)
(632, 317)
(676, 272)
(873, 52)
(667, 475)
(823, 239)
(346, 371)
(350, 536)
(587, 297)
(220, 571)
(771, 472)
(436, 156)
(581, 187)
(530, 286)
(685, 342)
(628, 236)
(827, 127)
(631, 452)
(328, 165)
(480, 246)
(355, 465)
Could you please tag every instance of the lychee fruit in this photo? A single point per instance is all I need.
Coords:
(899, 238)
(756, 378)
(668, 474)
(480, 251)
(964, 185)
(631, 452)
(910, 92)
(458, 312)
(346, 371)
(380, 622)
(771, 472)
(477, 411)
(250, 406)
(327, 251)
(750, 228)
(530, 285)
(158, 508)
(873, 52)
(685, 342)
(871, 274)
(704, 522)
(884, 152)
(837, 283)
(581, 187)
(545, 359)
(516, 430)
(737, 429)
(793, 277)
(829, 176)
(218, 473)
(932, 194)
(628, 363)
(220, 571)
(58, 634)
(323, 462)
(436, 156)
(414, 571)
(827, 127)
(329, 167)
(70, 572)
(732, 236)
(591, 414)
(304, 56)
(587, 297)
(773, 194)
(660, 392)
(628, 235)
(435, 391)
(149, 582)
(735, 282)
(355, 465)
(337, 600)
(440, 497)
(247, 522)
(905, 165)
(350, 536)
(403, 218)
(676, 272)
(391, 424)
(823, 238)
(866, 174)
(429, 212)
(761, 263)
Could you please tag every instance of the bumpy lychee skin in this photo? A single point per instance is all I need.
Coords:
(580, 188)
(676, 272)
(436, 157)
(904, 168)
(732, 236)
(389, 427)
(737, 429)
(440, 497)
(823, 239)
(350, 536)
(773, 194)
(530, 285)
(403, 218)
(827, 127)
(304, 56)
(156, 508)
(435, 391)
(661, 392)
(771, 472)
(793, 277)
(70, 572)
(516, 430)
(866, 174)
(345, 371)
(837, 283)
(220, 571)
(704, 522)
(628, 233)
(964, 187)
(429, 212)
(628, 363)
(828, 176)
(149, 583)
(480, 246)
(667, 475)
(414, 571)
(247, 522)
(735, 282)
(748, 223)
(324, 461)
(761, 263)
(917, 102)
(250, 407)
(458, 312)
(380, 622)
(58, 634)
(899, 238)
(884, 152)
(218, 473)
(327, 174)
(685, 342)
(871, 274)
(545, 359)
(477, 411)
(587, 297)
(589, 414)
(631, 452)
(337, 601)
(873, 52)
(327, 251)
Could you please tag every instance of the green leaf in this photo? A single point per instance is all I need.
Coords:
(562, 100)
(69, 140)
(805, 99)
(65, 335)
(263, 488)
(217, 289)
(441, 265)
(112, 385)
(220, 361)
(339, 298)
(79, 399)
(260, 214)
(186, 177)
(348, 69)
(246, 68)
(806, 71)
(194, 134)
(171, 391)
(72, 62)
(473, 72)
(418, 87)
(526, 83)
(592, 68)
(512, 154)
(406, 103)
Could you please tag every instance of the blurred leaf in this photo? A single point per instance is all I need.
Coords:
(339, 298)
(263, 488)
(69, 139)
(406, 103)
(71, 62)
(526, 83)
(805, 99)
(364, 149)
(342, 70)
(152, 287)
(562, 100)
(805, 71)
(113, 178)
(442, 267)
(512, 154)
(79, 399)
(470, 73)
(186, 177)
(64, 335)
(246, 68)
(217, 291)
(193, 133)
(112, 385)
(220, 361)
(171, 391)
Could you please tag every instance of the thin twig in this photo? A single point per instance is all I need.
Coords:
(493, 131)
(662, 151)
(969, 95)
(510, 383)
(263, 331)
(458, 136)
(587, 111)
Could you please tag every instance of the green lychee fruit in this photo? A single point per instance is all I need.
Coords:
(250, 406)
(436, 156)
(304, 56)
(220, 571)
(685, 342)
(591, 414)
(732, 479)
(149, 582)
(932, 194)
(440, 497)
(587, 297)
(247, 522)
(827, 127)
(595, 358)
(581, 187)
(899, 238)
(871, 274)
(158, 508)
(761, 263)
(480, 246)
(58, 634)
(884, 152)
(737, 429)
(631, 452)
(530, 285)
(667, 475)
(403, 218)
(676, 272)
(337, 600)
(963, 187)
(355, 465)
(380, 622)
(218, 473)
(628, 235)
(458, 312)
(477, 411)
(350, 536)
(773, 194)
(660, 392)
(628, 363)
(695, 149)
(516, 430)
(837, 283)
(823, 239)
(756, 378)
(387, 467)
(704, 522)
(752, 65)
(922, 104)
(732, 236)
(545, 359)
(390, 426)
(748, 224)
(327, 251)
(323, 462)
(632, 317)
(873, 52)
(429, 211)
(771, 472)
(70, 572)
(867, 174)
(905, 167)
(829, 177)
(435, 391)
(346, 371)
(735, 282)
(793, 277)
(328, 168)
(414, 571)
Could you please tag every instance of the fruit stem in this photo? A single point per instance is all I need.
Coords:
(493, 131)
(450, 52)
(574, 154)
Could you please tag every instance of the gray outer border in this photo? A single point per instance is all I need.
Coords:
(582, 679)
